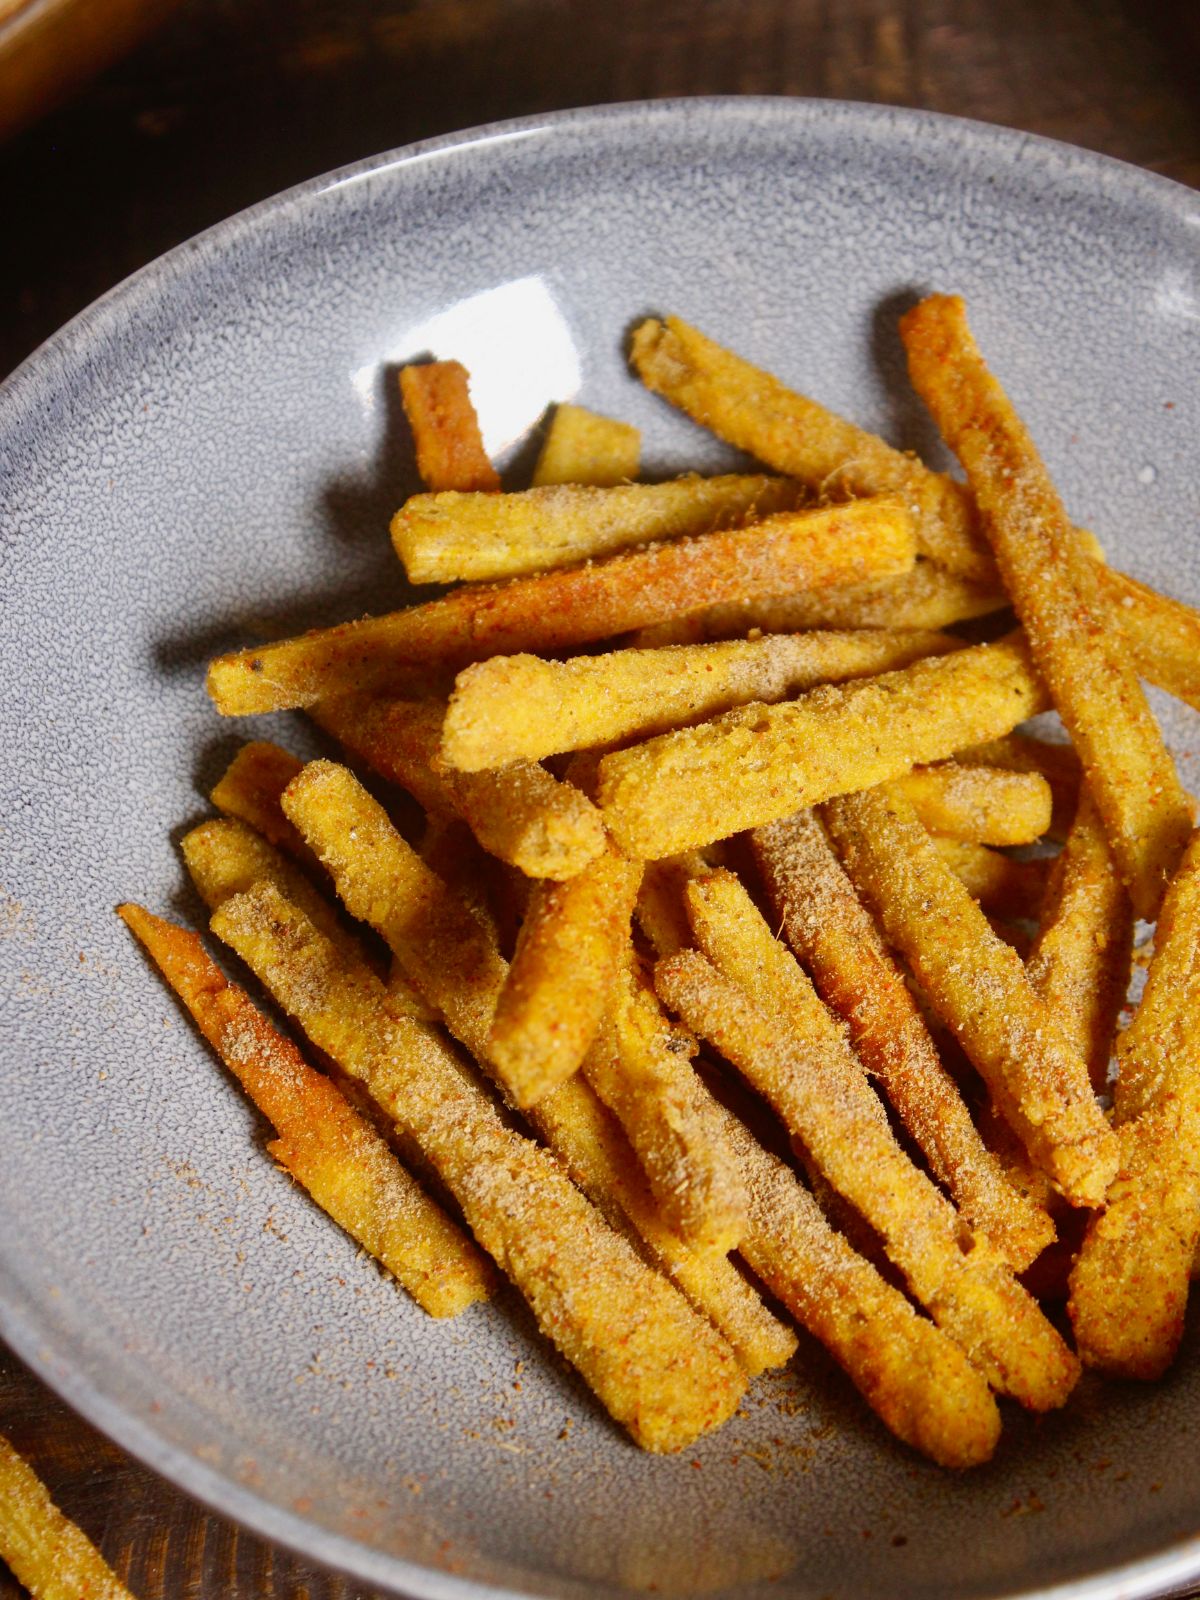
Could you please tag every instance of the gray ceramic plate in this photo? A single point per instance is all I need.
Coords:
(210, 455)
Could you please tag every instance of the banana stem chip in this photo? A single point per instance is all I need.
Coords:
(1003, 886)
(984, 805)
(53, 1558)
(437, 402)
(583, 447)
(978, 986)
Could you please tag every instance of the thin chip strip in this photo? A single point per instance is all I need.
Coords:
(568, 953)
(927, 598)
(1057, 594)
(1020, 752)
(978, 986)
(812, 1081)
(450, 538)
(323, 1142)
(659, 1369)
(639, 1066)
(522, 815)
(985, 805)
(557, 611)
(661, 911)
(521, 708)
(754, 765)
(1003, 887)
(54, 1559)
(856, 975)
(1129, 1284)
(1163, 634)
(1081, 959)
(250, 787)
(756, 412)
(583, 447)
(453, 961)
(912, 1375)
(437, 403)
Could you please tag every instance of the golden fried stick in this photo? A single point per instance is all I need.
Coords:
(326, 1146)
(754, 411)
(927, 597)
(437, 403)
(446, 538)
(583, 447)
(639, 1067)
(53, 1558)
(557, 611)
(856, 975)
(661, 911)
(522, 815)
(985, 805)
(1081, 958)
(521, 708)
(912, 1375)
(568, 952)
(759, 763)
(1002, 886)
(1058, 597)
(249, 790)
(1020, 752)
(1129, 1284)
(978, 987)
(805, 1068)
(453, 961)
(660, 1369)
(1162, 634)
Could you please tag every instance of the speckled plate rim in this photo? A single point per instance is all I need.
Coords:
(35, 382)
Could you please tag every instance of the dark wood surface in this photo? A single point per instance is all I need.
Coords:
(234, 99)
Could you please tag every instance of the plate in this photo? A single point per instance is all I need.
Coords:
(210, 455)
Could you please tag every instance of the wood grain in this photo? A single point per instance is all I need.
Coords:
(234, 99)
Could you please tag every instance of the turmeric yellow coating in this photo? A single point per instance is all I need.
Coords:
(756, 764)
(757, 413)
(451, 538)
(913, 1376)
(833, 934)
(521, 708)
(791, 1050)
(53, 1558)
(323, 1142)
(583, 447)
(568, 952)
(977, 985)
(660, 1369)
(522, 815)
(557, 611)
(437, 402)
(1057, 593)
(250, 787)
(1081, 958)
(985, 805)
(1003, 886)
(1056, 762)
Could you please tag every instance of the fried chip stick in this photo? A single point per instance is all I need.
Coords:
(522, 815)
(1081, 958)
(1129, 1284)
(53, 1558)
(449, 538)
(521, 708)
(1020, 752)
(437, 403)
(583, 447)
(978, 986)
(835, 937)
(454, 963)
(249, 790)
(754, 411)
(1058, 597)
(323, 1142)
(754, 765)
(559, 610)
(656, 1365)
(927, 597)
(639, 1067)
(751, 1000)
(568, 952)
(1003, 887)
(913, 1376)
(984, 805)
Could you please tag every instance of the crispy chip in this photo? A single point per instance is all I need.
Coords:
(583, 447)
(437, 403)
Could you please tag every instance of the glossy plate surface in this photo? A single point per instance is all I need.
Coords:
(210, 455)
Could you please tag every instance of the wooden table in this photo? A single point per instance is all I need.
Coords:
(235, 99)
